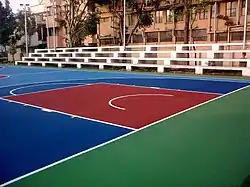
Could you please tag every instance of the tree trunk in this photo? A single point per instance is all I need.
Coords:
(70, 41)
(186, 29)
(186, 25)
(132, 32)
(121, 30)
(192, 41)
(92, 8)
(144, 36)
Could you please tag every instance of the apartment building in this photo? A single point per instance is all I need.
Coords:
(39, 38)
(208, 25)
(55, 10)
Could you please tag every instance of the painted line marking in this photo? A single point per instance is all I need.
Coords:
(4, 77)
(37, 85)
(155, 87)
(132, 95)
(62, 80)
(118, 138)
(124, 78)
(47, 110)
(35, 73)
(158, 88)
(205, 78)
(67, 114)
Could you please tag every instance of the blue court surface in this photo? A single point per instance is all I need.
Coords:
(32, 138)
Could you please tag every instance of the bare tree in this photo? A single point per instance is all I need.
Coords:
(76, 18)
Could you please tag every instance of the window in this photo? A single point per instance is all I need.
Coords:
(148, 2)
(180, 15)
(179, 34)
(222, 37)
(137, 38)
(199, 35)
(203, 14)
(217, 10)
(169, 18)
(195, 1)
(131, 20)
(231, 8)
(193, 15)
(152, 36)
(158, 16)
(51, 31)
(103, 20)
(166, 36)
(243, 5)
(238, 36)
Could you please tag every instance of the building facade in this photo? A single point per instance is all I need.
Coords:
(208, 26)
(39, 38)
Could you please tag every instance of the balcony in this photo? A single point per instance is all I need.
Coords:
(51, 2)
(40, 19)
(59, 41)
(50, 22)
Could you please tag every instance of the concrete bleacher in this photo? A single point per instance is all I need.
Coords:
(201, 57)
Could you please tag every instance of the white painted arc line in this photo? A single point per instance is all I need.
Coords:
(118, 138)
(37, 85)
(132, 95)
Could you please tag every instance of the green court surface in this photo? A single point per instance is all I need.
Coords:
(208, 146)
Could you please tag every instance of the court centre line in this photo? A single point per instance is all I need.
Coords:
(37, 85)
(132, 95)
(118, 138)
(159, 88)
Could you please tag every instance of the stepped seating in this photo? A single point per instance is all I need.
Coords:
(161, 57)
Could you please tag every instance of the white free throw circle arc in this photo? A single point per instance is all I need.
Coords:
(133, 95)
(37, 85)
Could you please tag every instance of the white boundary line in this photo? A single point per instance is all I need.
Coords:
(36, 73)
(132, 95)
(159, 88)
(218, 79)
(4, 77)
(118, 138)
(67, 114)
(6, 98)
(61, 80)
(1, 68)
(105, 78)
